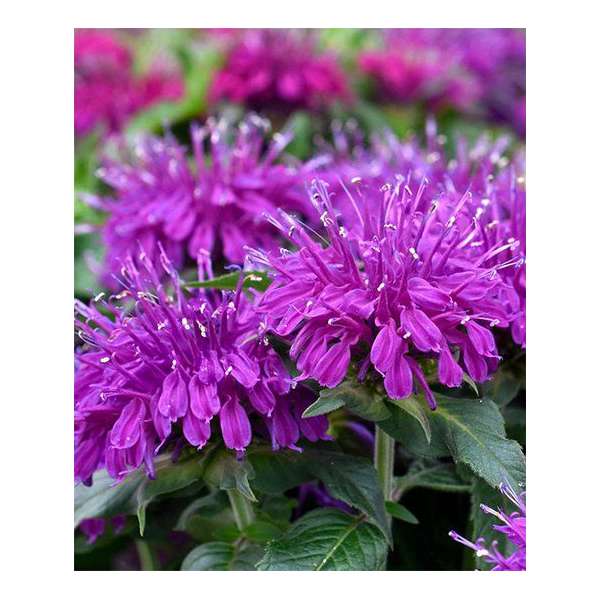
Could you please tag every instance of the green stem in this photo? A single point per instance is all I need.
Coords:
(242, 509)
(384, 461)
(145, 555)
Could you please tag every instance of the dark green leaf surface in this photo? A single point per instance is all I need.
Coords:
(401, 512)
(225, 472)
(353, 480)
(502, 388)
(417, 411)
(325, 404)
(358, 399)
(327, 540)
(221, 556)
(441, 477)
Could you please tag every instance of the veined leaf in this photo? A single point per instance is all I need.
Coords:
(401, 512)
(416, 410)
(358, 399)
(323, 405)
(441, 477)
(327, 540)
(222, 556)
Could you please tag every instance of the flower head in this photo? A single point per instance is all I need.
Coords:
(513, 527)
(215, 204)
(398, 284)
(175, 368)
(275, 68)
(480, 72)
(107, 92)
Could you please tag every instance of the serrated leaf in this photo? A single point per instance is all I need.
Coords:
(442, 478)
(222, 556)
(416, 410)
(327, 540)
(252, 279)
(401, 512)
(322, 406)
(471, 431)
(225, 472)
(176, 477)
(353, 480)
(359, 399)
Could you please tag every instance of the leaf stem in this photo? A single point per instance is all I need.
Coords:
(384, 461)
(145, 555)
(242, 509)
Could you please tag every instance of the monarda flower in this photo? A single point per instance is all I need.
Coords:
(480, 72)
(212, 201)
(279, 68)
(513, 527)
(176, 369)
(495, 184)
(94, 528)
(398, 285)
(107, 92)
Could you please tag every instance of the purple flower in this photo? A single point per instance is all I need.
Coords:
(495, 185)
(513, 527)
(107, 92)
(218, 203)
(480, 72)
(279, 68)
(399, 284)
(176, 368)
(94, 528)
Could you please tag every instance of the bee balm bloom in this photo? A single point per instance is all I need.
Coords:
(399, 285)
(199, 203)
(177, 369)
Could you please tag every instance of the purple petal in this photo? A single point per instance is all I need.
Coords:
(262, 399)
(196, 431)
(481, 338)
(398, 381)
(284, 430)
(333, 365)
(449, 371)
(127, 428)
(423, 294)
(243, 369)
(424, 332)
(235, 425)
(173, 401)
(384, 347)
(204, 400)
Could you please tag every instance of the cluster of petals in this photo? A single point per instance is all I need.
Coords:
(107, 91)
(495, 186)
(480, 71)
(398, 283)
(277, 68)
(162, 367)
(513, 527)
(213, 200)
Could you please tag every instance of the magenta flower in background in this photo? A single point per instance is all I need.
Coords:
(107, 92)
(177, 369)
(94, 528)
(513, 527)
(216, 202)
(398, 283)
(279, 69)
(477, 71)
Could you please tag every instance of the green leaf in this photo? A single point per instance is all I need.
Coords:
(176, 477)
(406, 429)
(277, 472)
(104, 498)
(221, 556)
(353, 480)
(261, 531)
(471, 431)
(442, 478)
(252, 279)
(401, 512)
(358, 399)
(225, 472)
(322, 406)
(327, 540)
(502, 388)
(416, 410)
